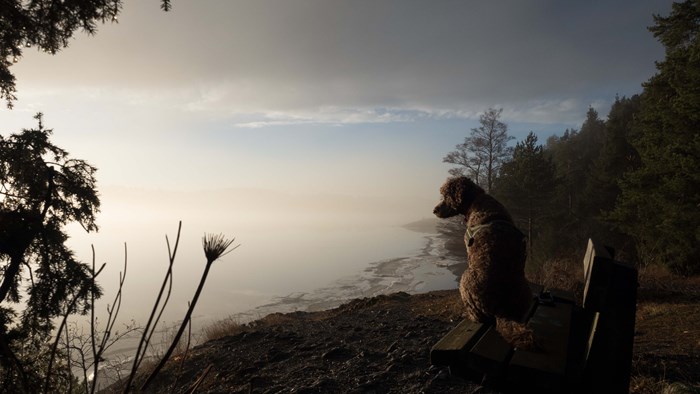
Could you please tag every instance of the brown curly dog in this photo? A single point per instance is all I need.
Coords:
(493, 286)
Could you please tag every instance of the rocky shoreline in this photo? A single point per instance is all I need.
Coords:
(436, 266)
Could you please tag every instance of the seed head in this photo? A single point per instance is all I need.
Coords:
(215, 246)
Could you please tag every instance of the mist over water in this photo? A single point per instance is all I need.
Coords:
(296, 253)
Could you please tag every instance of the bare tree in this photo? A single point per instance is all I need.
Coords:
(483, 151)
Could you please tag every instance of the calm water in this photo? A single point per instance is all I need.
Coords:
(293, 267)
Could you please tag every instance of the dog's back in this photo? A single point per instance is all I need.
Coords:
(494, 285)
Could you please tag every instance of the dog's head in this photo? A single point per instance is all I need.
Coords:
(457, 195)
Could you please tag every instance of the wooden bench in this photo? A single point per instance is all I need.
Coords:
(580, 348)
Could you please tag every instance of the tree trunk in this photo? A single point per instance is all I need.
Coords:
(10, 274)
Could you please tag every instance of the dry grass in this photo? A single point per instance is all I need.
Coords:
(657, 280)
(168, 336)
(667, 340)
(444, 305)
(154, 355)
(559, 274)
(651, 310)
(222, 328)
(647, 385)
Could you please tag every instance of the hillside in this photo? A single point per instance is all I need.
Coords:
(382, 344)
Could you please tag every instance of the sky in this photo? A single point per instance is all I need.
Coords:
(323, 97)
(235, 115)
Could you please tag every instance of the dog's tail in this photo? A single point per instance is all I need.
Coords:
(517, 334)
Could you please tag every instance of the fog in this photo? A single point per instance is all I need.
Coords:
(288, 244)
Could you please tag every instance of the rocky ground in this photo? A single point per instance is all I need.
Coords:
(382, 344)
(379, 344)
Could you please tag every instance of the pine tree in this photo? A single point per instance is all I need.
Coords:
(46, 25)
(563, 152)
(660, 201)
(588, 147)
(574, 155)
(41, 190)
(526, 185)
(617, 156)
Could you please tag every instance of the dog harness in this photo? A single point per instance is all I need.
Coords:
(472, 231)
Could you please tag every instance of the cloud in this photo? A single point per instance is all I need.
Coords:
(327, 62)
(546, 111)
(329, 116)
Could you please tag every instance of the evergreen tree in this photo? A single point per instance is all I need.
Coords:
(526, 185)
(41, 190)
(617, 156)
(588, 147)
(574, 155)
(563, 152)
(46, 25)
(660, 200)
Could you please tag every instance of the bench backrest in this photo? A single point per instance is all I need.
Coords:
(609, 303)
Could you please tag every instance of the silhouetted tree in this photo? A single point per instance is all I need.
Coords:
(617, 156)
(564, 154)
(526, 185)
(483, 151)
(41, 190)
(46, 25)
(589, 142)
(660, 202)
(574, 155)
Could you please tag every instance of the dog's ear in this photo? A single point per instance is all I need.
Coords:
(450, 192)
(459, 188)
(462, 190)
(446, 193)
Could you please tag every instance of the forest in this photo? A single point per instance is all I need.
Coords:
(630, 179)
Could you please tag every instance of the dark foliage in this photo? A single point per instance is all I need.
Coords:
(526, 186)
(659, 203)
(48, 26)
(631, 180)
(41, 190)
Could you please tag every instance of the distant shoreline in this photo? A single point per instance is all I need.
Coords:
(425, 225)
(435, 266)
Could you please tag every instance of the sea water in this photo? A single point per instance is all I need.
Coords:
(285, 268)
